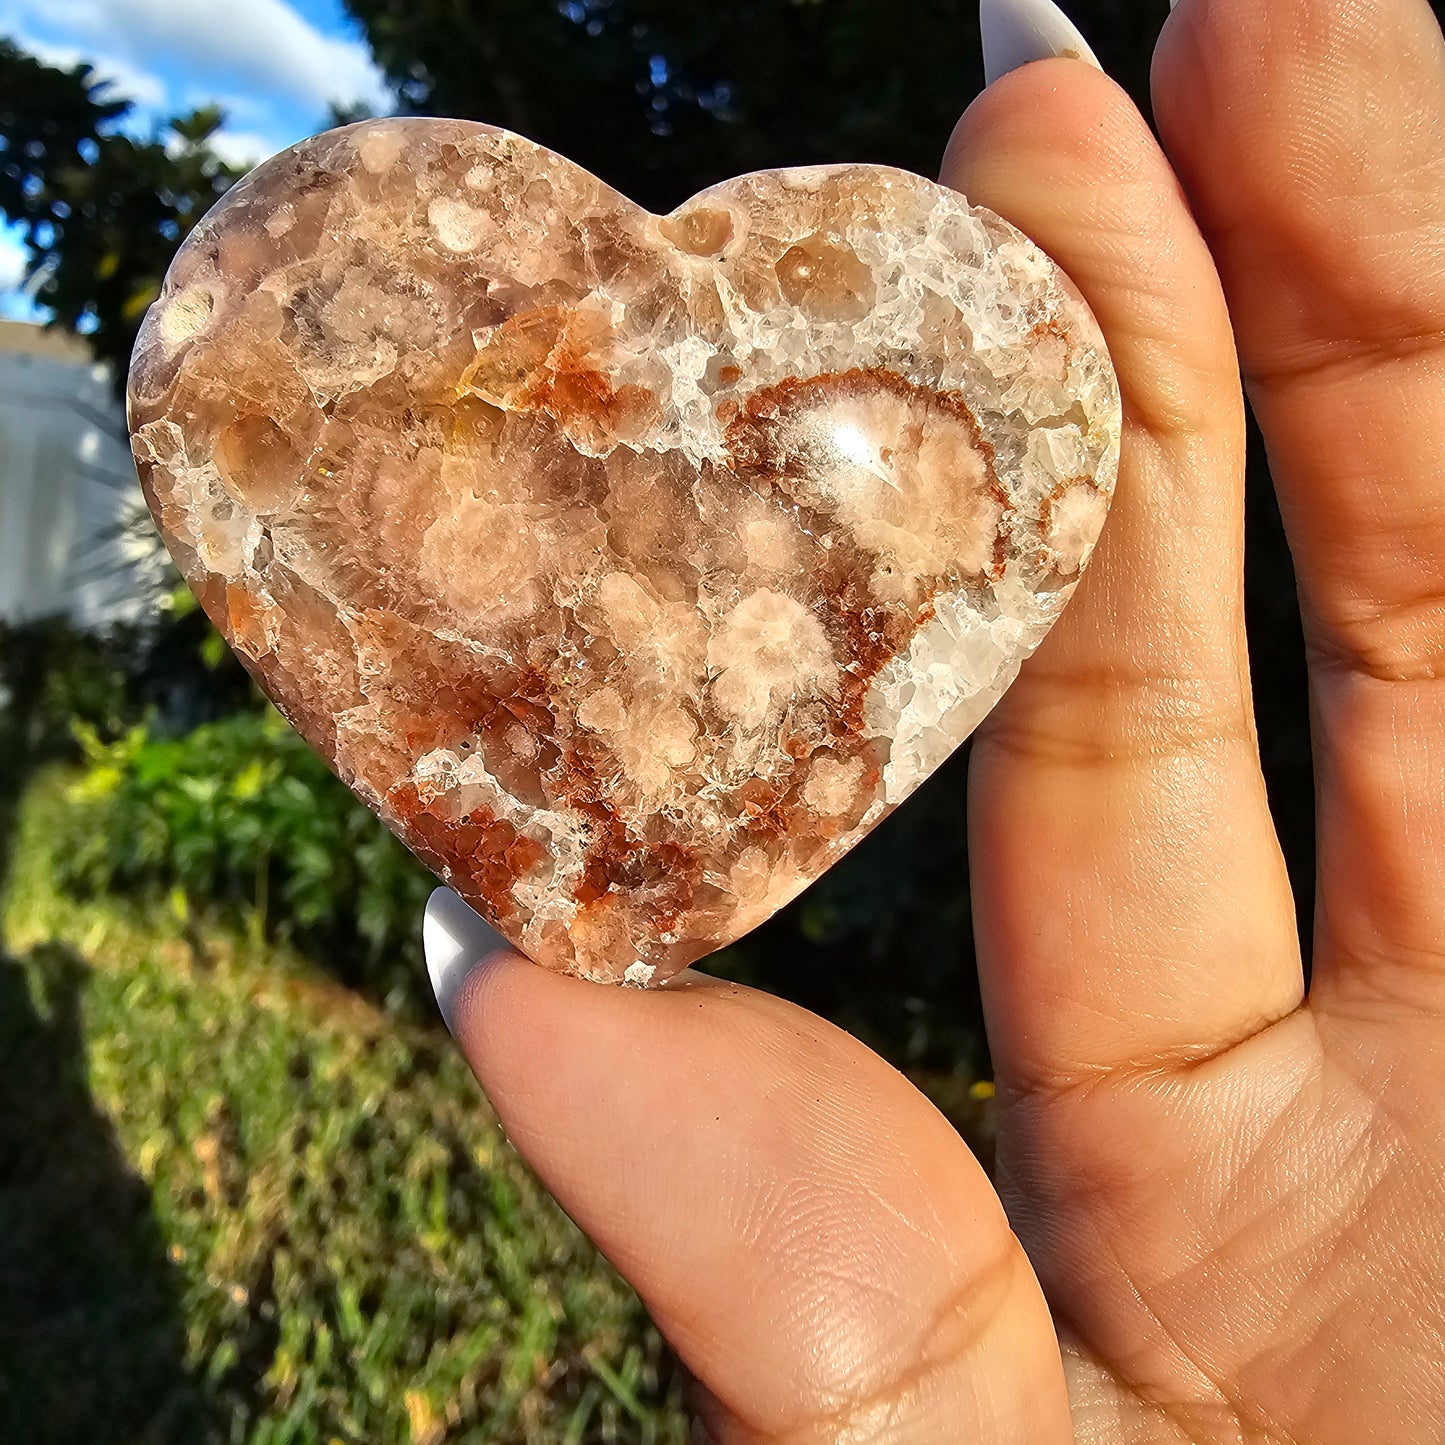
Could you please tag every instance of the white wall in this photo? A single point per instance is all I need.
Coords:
(67, 485)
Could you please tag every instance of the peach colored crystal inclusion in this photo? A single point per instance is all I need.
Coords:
(631, 567)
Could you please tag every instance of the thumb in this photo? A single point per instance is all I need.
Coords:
(810, 1234)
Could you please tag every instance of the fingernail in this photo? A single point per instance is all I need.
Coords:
(455, 938)
(1016, 32)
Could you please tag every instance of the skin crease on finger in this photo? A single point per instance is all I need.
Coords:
(1232, 1202)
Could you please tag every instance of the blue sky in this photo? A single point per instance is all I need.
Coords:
(273, 65)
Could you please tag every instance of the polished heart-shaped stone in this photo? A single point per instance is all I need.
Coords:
(631, 567)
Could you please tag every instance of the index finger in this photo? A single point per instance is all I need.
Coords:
(1131, 900)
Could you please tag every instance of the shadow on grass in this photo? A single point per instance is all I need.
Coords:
(92, 1335)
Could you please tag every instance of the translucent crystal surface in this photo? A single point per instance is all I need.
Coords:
(631, 567)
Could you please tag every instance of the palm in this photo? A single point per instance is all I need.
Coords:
(1229, 1195)
(1250, 1251)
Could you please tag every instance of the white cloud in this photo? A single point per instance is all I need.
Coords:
(243, 148)
(246, 112)
(261, 45)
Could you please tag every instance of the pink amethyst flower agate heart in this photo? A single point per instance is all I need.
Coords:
(631, 567)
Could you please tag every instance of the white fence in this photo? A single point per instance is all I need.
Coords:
(73, 538)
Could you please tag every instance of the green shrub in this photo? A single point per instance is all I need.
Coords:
(169, 663)
(241, 821)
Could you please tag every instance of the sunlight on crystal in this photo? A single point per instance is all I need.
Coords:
(854, 445)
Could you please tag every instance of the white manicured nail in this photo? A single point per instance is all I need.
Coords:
(455, 938)
(1016, 32)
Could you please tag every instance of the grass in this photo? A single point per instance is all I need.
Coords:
(239, 1205)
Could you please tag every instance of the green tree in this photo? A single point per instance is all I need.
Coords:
(102, 210)
(660, 99)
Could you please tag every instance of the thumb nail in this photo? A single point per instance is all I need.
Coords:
(455, 938)
(1017, 32)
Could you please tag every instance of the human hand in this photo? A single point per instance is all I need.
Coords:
(1230, 1197)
